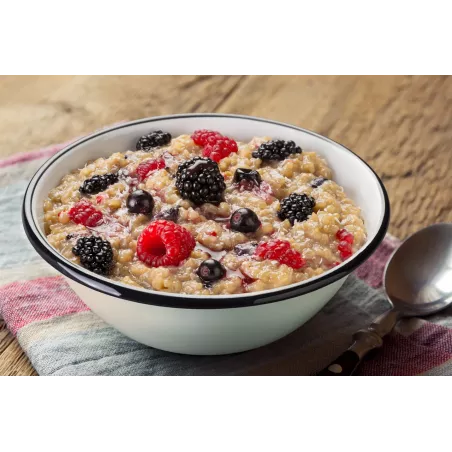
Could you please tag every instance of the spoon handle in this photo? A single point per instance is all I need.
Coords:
(364, 341)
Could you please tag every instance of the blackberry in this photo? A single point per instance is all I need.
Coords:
(276, 150)
(153, 140)
(199, 180)
(296, 207)
(95, 254)
(97, 184)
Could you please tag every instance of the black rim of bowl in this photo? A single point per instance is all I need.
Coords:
(173, 300)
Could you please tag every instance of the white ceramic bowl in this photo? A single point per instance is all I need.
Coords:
(195, 324)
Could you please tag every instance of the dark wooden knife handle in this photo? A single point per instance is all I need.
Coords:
(342, 365)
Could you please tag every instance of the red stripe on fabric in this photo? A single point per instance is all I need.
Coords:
(45, 152)
(33, 155)
(434, 335)
(425, 349)
(26, 302)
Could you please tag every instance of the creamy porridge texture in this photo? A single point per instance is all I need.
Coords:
(204, 214)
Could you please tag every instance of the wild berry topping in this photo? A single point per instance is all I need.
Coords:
(244, 220)
(199, 180)
(145, 168)
(83, 212)
(164, 243)
(95, 254)
(153, 140)
(276, 150)
(296, 207)
(247, 175)
(280, 250)
(203, 136)
(220, 148)
(211, 270)
(140, 201)
(97, 184)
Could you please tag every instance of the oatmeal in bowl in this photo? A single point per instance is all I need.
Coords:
(204, 213)
(205, 233)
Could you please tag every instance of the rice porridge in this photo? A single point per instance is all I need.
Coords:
(204, 214)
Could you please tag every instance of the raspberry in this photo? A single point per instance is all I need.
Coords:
(345, 243)
(164, 243)
(345, 250)
(203, 136)
(86, 214)
(344, 235)
(280, 250)
(145, 168)
(219, 148)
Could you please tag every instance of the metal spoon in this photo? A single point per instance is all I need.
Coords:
(417, 281)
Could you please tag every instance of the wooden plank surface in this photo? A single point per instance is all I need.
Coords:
(401, 125)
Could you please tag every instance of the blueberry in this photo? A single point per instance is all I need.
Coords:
(318, 182)
(244, 220)
(245, 174)
(140, 201)
(211, 270)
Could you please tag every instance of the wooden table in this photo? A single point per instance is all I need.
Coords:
(401, 125)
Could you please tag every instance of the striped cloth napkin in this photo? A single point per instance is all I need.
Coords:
(61, 336)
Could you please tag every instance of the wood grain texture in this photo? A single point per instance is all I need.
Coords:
(12, 359)
(401, 125)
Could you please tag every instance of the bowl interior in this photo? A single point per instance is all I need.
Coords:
(358, 180)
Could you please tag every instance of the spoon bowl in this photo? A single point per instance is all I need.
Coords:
(418, 277)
